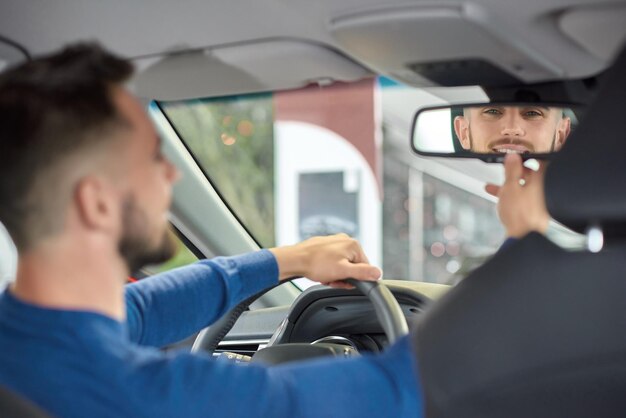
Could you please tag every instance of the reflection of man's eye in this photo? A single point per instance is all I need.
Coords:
(492, 112)
(532, 114)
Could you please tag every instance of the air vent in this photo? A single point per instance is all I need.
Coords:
(246, 348)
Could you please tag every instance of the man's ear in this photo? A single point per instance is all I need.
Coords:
(97, 203)
(563, 131)
(461, 129)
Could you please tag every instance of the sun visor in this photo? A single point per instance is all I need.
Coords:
(242, 68)
(585, 184)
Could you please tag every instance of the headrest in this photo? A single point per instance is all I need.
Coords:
(585, 184)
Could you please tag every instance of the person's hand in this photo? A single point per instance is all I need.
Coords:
(521, 203)
(326, 260)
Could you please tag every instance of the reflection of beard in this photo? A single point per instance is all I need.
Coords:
(136, 245)
(528, 145)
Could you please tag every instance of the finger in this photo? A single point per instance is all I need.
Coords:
(542, 169)
(535, 176)
(513, 168)
(492, 189)
(542, 165)
(361, 271)
(340, 285)
(361, 257)
(527, 175)
(364, 257)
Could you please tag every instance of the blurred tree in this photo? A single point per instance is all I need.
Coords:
(233, 141)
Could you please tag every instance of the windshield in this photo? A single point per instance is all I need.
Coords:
(323, 160)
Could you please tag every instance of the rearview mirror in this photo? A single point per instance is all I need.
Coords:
(489, 131)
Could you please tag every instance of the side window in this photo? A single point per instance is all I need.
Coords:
(232, 139)
(8, 258)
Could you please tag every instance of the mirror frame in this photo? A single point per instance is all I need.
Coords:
(577, 108)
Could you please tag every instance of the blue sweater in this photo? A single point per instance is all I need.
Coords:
(84, 364)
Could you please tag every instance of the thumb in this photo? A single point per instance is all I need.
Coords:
(492, 189)
(361, 271)
(541, 172)
(513, 168)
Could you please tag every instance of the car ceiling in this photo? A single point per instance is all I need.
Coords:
(333, 39)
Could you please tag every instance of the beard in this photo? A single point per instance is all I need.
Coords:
(137, 246)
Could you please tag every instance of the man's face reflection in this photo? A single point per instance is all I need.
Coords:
(512, 129)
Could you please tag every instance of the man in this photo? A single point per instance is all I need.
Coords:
(512, 129)
(84, 192)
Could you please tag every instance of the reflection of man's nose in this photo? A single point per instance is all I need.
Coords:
(512, 125)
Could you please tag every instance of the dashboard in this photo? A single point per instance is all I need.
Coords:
(324, 315)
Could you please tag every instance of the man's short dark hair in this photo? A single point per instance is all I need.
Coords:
(52, 108)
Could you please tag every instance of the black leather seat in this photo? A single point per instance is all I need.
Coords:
(538, 331)
(14, 406)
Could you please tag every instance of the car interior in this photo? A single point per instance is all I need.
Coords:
(294, 119)
(556, 346)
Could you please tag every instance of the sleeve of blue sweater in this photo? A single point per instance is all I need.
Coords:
(171, 306)
(382, 385)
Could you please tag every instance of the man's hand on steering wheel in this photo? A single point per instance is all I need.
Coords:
(326, 260)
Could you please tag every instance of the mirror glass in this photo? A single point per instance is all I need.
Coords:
(492, 129)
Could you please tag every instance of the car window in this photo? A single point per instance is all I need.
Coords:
(232, 140)
(182, 257)
(322, 160)
(8, 258)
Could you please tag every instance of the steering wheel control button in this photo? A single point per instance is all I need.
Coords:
(234, 357)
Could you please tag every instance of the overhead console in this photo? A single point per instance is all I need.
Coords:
(451, 45)
(599, 30)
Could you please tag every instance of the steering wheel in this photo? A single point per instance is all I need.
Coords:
(388, 313)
